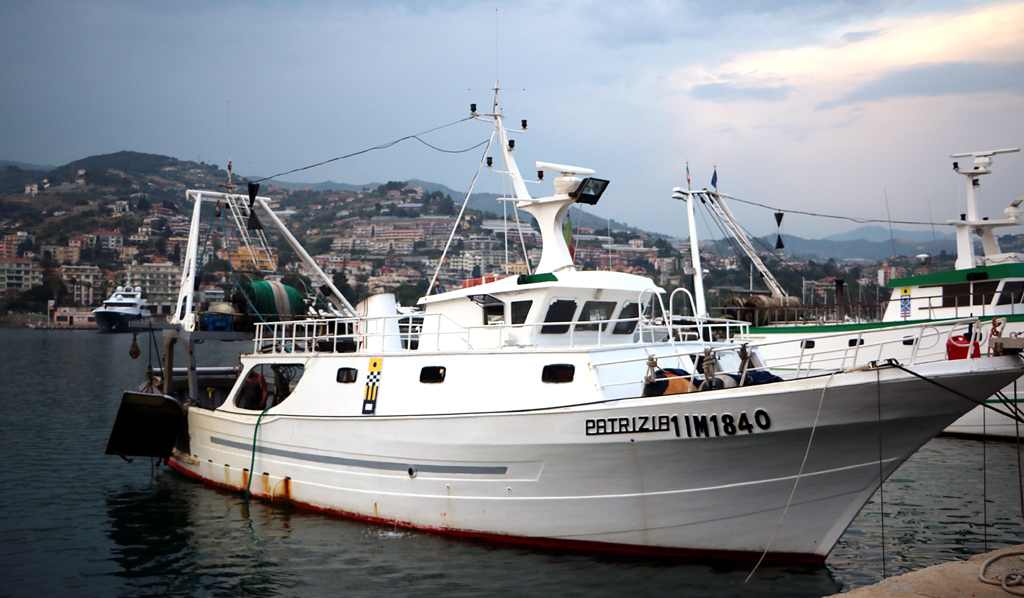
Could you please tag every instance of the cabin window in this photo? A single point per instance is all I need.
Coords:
(854, 342)
(494, 308)
(558, 373)
(494, 314)
(984, 291)
(520, 309)
(807, 344)
(629, 314)
(278, 380)
(1013, 292)
(560, 310)
(432, 374)
(347, 375)
(956, 295)
(595, 311)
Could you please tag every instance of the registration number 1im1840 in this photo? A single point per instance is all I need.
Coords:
(693, 426)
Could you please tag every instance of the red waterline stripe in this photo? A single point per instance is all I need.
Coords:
(578, 546)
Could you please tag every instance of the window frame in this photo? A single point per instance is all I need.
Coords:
(559, 324)
(589, 325)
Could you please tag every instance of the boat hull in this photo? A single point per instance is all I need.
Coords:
(594, 477)
(113, 321)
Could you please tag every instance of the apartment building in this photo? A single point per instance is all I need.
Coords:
(160, 282)
(19, 273)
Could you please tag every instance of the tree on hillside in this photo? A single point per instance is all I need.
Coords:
(340, 280)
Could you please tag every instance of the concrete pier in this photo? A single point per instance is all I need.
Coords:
(957, 579)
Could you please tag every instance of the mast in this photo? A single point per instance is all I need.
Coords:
(714, 200)
(698, 271)
(549, 211)
(184, 308)
(971, 223)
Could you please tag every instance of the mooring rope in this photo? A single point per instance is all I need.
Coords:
(1020, 475)
(1013, 416)
(792, 493)
(1012, 581)
(881, 474)
(252, 461)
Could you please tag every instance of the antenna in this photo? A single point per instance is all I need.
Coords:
(889, 218)
(935, 239)
(496, 87)
(230, 186)
(495, 52)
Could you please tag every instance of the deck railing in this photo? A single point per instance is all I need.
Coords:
(406, 333)
(910, 344)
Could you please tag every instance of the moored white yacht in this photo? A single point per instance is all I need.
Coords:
(124, 306)
(526, 412)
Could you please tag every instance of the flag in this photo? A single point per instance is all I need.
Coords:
(714, 180)
(687, 175)
(567, 232)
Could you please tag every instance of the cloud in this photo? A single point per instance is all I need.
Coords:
(729, 92)
(854, 37)
(951, 78)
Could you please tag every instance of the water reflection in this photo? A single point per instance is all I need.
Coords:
(953, 499)
(174, 540)
(179, 538)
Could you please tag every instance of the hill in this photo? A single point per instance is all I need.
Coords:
(821, 249)
(881, 234)
(483, 202)
(163, 178)
(25, 166)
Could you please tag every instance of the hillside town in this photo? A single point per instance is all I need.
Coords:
(70, 236)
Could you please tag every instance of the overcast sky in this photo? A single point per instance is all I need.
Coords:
(817, 105)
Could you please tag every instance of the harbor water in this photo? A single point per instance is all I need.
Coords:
(76, 522)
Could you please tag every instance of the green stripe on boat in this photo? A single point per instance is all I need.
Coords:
(969, 275)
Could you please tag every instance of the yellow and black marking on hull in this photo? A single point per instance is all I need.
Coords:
(372, 384)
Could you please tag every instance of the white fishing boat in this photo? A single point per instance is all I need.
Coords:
(526, 412)
(124, 306)
(930, 317)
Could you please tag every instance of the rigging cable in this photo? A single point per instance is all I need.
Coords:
(522, 241)
(881, 475)
(1020, 477)
(984, 477)
(382, 146)
(850, 218)
(431, 289)
(733, 244)
(799, 473)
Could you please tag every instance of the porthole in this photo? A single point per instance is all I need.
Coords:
(558, 373)
(347, 375)
(432, 374)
